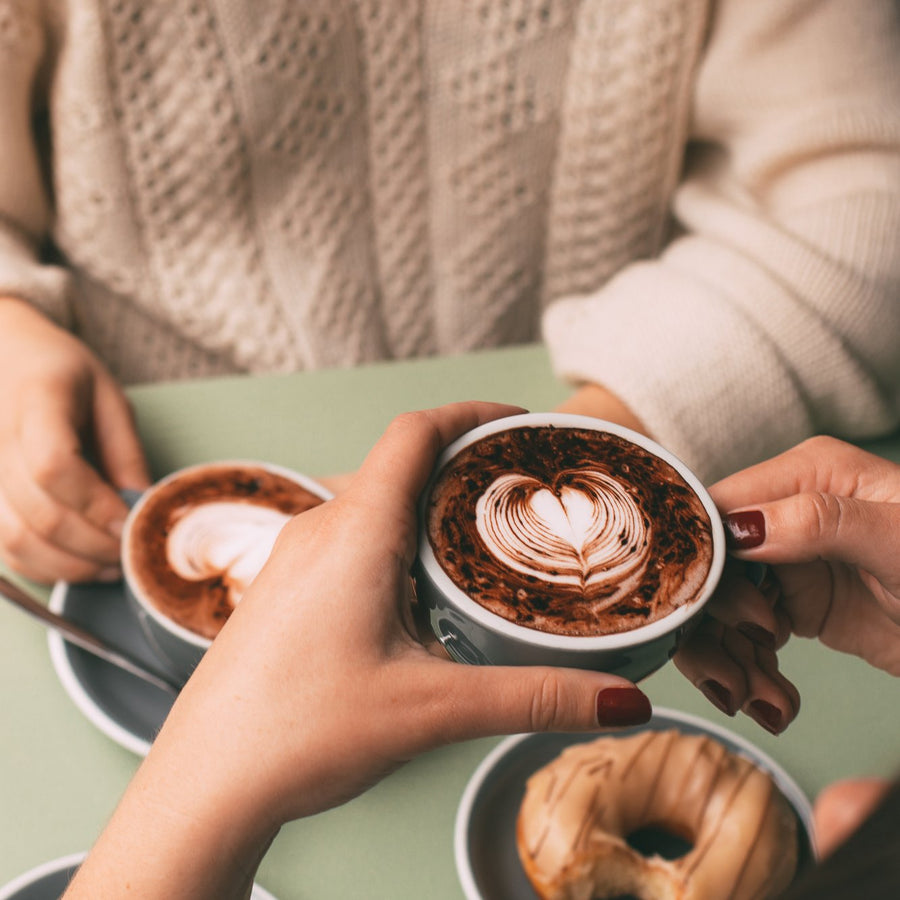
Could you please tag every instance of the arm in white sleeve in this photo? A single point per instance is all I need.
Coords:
(775, 312)
(24, 206)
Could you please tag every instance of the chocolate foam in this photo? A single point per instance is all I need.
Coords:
(200, 539)
(569, 531)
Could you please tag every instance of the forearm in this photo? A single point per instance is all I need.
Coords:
(601, 403)
(177, 833)
(773, 315)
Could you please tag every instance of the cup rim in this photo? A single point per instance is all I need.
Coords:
(575, 643)
(132, 583)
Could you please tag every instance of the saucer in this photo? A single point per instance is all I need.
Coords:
(49, 880)
(123, 707)
(487, 861)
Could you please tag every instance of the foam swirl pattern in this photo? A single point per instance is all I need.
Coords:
(199, 539)
(584, 531)
(228, 540)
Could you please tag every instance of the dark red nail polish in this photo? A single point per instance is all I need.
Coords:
(757, 634)
(744, 530)
(719, 696)
(766, 715)
(623, 706)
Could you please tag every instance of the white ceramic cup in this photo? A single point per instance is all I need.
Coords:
(473, 634)
(180, 649)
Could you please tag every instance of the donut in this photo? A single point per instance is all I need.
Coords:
(579, 809)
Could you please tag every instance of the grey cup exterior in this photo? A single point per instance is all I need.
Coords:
(178, 649)
(179, 657)
(471, 634)
(470, 641)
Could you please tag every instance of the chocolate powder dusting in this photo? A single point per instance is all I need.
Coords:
(678, 534)
(202, 606)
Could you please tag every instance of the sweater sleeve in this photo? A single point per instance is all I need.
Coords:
(775, 311)
(24, 206)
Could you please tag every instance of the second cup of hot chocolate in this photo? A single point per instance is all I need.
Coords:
(564, 540)
(193, 543)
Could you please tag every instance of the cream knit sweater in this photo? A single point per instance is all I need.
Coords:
(698, 202)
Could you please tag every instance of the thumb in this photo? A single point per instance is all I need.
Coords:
(815, 525)
(118, 445)
(491, 700)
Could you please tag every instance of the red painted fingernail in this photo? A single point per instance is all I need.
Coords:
(757, 634)
(744, 530)
(766, 715)
(623, 706)
(719, 696)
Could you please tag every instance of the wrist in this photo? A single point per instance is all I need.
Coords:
(187, 827)
(601, 403)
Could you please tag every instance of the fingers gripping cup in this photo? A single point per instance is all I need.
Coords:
(193, 543)
(563, 540)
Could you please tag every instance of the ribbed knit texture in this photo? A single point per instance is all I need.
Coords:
(290, 184)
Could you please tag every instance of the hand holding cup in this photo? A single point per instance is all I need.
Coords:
(317, 686)
(825, 517)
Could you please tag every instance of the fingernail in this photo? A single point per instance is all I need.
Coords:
(766, 715)
(719, 696)
(744, 530)
(113, 573)
(757, 634)
(623, 706)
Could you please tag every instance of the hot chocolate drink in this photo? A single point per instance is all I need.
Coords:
(568, 530)
(197, 540)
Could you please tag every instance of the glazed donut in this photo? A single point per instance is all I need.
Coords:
(579, 809)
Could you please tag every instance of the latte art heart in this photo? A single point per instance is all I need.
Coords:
(586, 531)
(227, 539)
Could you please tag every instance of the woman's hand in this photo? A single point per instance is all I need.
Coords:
(318, 686)
(60, 518)
(825, 516)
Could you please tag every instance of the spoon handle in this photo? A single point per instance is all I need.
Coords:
(78, 636)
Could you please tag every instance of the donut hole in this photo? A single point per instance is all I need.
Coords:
(654, 840)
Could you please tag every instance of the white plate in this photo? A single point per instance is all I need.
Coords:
(487, 861)
(123, 707)
(49, 880)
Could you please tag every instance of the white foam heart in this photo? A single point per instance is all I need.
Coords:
(588, 532)
(224, 538)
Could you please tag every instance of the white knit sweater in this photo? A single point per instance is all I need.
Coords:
(700, 202)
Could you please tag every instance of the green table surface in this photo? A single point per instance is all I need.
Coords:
(60, 778)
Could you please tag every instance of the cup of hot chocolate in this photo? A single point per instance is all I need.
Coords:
(554, 539)
(195, 540)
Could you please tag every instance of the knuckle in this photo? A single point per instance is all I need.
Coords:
(821, 444)
(406, 420)
(16, 537)
(48, 522)
(820, 517)
(420, 421)
(549, 705)
(46, 465)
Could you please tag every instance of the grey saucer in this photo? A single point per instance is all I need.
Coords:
(122, 706)
(487, 861)
(49, 880)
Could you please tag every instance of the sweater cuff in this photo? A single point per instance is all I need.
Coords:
(706, 381)
(22, 275)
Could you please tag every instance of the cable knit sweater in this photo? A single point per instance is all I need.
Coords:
(698, 202)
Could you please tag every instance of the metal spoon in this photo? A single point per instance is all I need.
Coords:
(78, 636)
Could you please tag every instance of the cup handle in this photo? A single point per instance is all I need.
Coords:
(130, 496)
